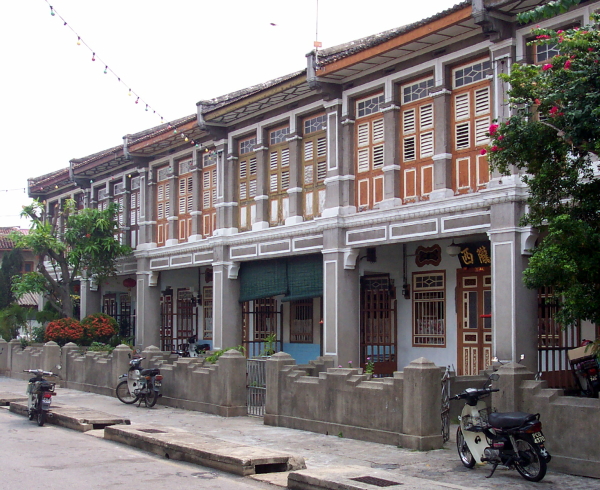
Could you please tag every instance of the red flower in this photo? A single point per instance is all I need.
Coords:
(537, 101)
(87, 235)
(554, 110)
(483, 151)
(493, 129)
(590, 49)
(501, 137)
(494, 148)
(567, 64)
(543, 36)
(547, 66)
(559, 31)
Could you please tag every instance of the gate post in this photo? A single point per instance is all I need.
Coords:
(274, 389)
(510, 396)
(3, 356)
(422, 399)
(231, 384)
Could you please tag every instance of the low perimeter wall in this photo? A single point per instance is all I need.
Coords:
(403, 410)
(570, 424)
(218, 388)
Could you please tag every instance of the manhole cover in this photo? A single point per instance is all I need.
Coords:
(152, 431)
(378, 482)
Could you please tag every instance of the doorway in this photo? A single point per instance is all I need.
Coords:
(474, 297)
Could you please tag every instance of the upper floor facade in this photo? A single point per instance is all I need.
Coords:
(382, 130)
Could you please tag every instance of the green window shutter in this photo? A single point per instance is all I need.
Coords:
(262, 279)
(305, 277)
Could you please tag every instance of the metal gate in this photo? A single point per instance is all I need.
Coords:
(554, 342)
(178, 324)
(256, 386)
(378, 323)
(446, 405)
(261, 327)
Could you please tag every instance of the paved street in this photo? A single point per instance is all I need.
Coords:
(51, 458)
(319, 450)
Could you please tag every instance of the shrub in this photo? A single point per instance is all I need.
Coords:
(63, 331)
(99, 327)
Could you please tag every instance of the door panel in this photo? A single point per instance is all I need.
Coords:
(474, 321)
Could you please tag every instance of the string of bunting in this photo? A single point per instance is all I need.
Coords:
(107, 70)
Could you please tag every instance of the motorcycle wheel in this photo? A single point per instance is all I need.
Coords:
(123, 394)
(466, 458)
(532, 466)
(41, 417)
(151, 396)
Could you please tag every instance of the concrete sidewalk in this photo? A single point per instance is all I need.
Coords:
(332, 461)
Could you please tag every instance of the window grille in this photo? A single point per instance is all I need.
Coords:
(315, 124)
(279, 135)
(247, 146)
(429, 309)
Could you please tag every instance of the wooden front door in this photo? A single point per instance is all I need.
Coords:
(474, 297)
(378, 324)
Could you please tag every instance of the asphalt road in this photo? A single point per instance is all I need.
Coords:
(50, 457)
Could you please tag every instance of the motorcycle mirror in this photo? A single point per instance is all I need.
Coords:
(58, 366)
(138, 350)
(494, 377)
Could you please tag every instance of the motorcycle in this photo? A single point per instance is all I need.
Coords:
(39, 395)
(139, 384)
(512, 439)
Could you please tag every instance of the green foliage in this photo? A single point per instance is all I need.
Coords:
(551, 9)
(214, 357)
(12, 319)
(554, 137)
(369, 366)
(87, 246)
(12, 264)
(100, 347)
(38, 334)
(269, 347)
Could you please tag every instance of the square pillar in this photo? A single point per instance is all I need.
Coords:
(514, 307)
(341, 288)
(148, 314)
(227, 310)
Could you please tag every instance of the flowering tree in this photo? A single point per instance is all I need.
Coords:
(554, 136)
(68, 244)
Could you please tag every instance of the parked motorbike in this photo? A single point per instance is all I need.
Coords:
(39, 395)
(139, 384)
(512, 439)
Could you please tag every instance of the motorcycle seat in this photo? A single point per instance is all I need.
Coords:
(150, 372)
(508, 420)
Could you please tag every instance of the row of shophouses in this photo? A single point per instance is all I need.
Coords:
(344, 210)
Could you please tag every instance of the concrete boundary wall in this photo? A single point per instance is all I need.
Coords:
(403, 410)
(570, 424)
(218, 389)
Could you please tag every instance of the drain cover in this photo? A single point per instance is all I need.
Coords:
(385, 466)
(378, 482)
(152, 431)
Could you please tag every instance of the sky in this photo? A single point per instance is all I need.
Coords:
(57, 104)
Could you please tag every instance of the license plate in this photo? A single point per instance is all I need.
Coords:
(46, 402)
(157, 383)
(538, 438)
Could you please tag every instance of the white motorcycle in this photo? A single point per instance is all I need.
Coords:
(512, 439)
